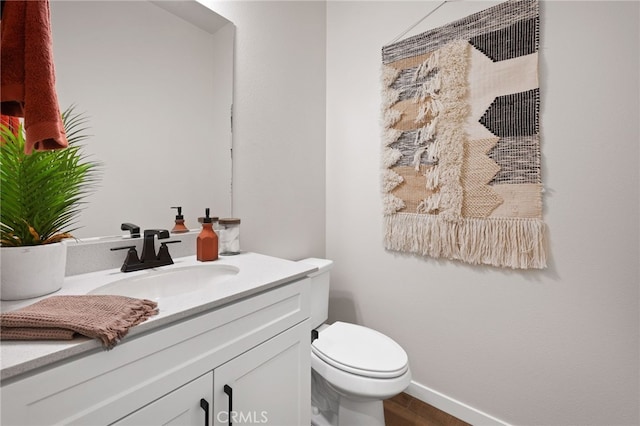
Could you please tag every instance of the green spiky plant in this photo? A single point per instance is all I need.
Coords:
(42, 193)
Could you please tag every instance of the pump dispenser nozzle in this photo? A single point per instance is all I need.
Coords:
(207, 219)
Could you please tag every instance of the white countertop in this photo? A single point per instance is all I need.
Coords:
(257, 273)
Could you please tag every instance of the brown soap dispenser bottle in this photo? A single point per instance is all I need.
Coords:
(207, 241)
(179, 227)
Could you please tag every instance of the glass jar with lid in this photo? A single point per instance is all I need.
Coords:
(229, 236)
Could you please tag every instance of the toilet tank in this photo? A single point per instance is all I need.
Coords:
(319, 290)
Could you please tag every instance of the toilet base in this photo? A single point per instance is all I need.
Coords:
(332, 408)
(352, 413)
(360, 413)
(337, 406)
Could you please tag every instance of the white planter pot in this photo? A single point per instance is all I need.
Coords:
(31, 271)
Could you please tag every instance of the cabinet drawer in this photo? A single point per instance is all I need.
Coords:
(104, 386)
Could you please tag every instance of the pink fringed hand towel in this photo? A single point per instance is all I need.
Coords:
(103, 317)
(27, 74)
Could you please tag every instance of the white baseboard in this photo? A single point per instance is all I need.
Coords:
(452, 406)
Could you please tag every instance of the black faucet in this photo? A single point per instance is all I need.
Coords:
(149, 258)
(149, 246)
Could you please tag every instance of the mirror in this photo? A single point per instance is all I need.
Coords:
(155, 80)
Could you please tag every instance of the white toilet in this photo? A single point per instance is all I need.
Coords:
(353, 367)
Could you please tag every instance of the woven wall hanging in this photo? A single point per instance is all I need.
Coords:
(461, 143)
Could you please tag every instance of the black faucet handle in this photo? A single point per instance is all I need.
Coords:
(122, 248)
(161, 233)
(131, 261)
(133, 229)
(163, 253)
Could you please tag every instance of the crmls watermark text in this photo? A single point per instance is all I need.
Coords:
(240, 417)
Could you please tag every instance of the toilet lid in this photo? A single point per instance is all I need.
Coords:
(360, 350)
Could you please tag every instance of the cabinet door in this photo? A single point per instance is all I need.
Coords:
(269, 384)
(187, 405)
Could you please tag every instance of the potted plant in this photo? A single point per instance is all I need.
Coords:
(41, 197)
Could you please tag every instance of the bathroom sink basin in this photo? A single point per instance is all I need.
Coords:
(155, 285)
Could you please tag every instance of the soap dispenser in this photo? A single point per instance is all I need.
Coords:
(207, 241)
(179, 227)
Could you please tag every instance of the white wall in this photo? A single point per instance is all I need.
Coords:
(279, 125)
(552, 347)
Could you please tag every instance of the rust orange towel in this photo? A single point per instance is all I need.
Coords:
(28, 75)
(12, 123)
(103, 317)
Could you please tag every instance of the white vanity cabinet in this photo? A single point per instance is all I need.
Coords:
(257, 346)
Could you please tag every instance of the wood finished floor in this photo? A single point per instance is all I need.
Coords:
(405, 410)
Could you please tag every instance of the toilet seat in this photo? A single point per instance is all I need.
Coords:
(360, 350)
